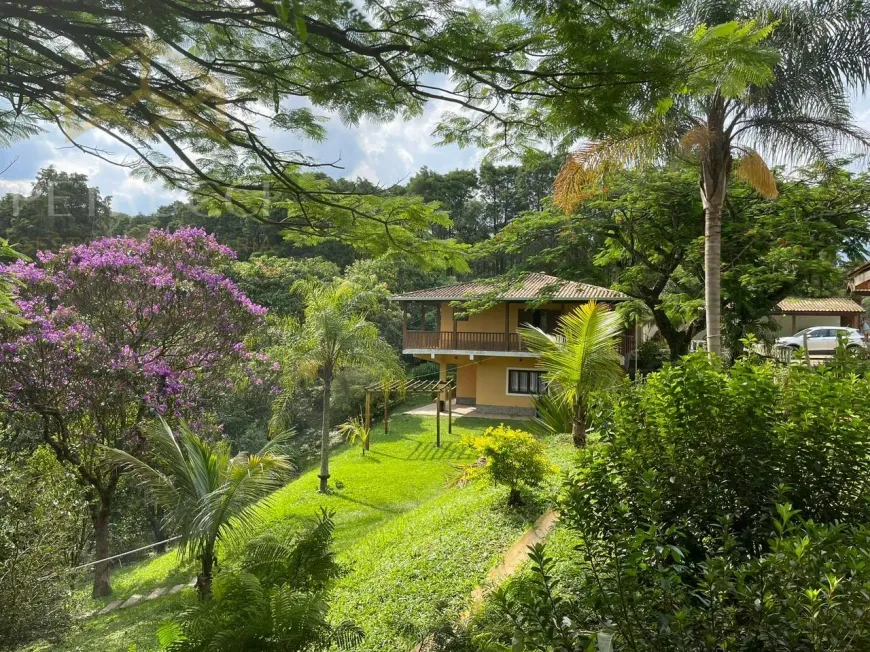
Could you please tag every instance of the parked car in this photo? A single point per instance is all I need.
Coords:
(823, 339)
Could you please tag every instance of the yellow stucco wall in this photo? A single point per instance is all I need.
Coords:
(466, 380)
(485, 379)
(492, 319)
(492, 381)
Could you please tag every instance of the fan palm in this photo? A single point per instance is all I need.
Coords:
(779, 81)
(334, 334)
(207, 493)
(582, 357)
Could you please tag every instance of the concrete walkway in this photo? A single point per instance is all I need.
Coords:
(135, 599)
(465, 411)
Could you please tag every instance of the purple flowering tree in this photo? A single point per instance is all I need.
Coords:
(116, 331)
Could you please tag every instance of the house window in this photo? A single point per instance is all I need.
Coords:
(525, 381)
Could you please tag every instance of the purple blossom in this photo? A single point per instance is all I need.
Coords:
(121, 321)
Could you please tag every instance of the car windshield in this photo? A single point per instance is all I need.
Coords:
(802, 333)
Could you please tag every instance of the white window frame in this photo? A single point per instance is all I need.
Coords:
(507, 380)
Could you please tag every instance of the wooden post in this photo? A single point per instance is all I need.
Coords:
(438, 421)
(368, 416)
(507, 326)
(387, 410)
(455, 337)
(807, 349)
(449, 410)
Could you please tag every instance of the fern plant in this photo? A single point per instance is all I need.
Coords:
(278, 600)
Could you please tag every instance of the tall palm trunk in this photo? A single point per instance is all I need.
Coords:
(324, 433)
(715, 169)
(713, 274)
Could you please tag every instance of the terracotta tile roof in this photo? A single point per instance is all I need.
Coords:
(833, 305)
(533, 286)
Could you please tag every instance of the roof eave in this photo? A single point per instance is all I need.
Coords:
(508, 299)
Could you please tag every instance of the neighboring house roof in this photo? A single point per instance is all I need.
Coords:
(533, 286)
(832, 305)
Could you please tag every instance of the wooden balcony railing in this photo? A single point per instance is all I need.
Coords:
(448, 340)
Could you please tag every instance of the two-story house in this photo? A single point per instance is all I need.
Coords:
(494, 371)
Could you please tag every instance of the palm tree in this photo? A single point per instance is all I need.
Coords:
(779, 81)
(356, 430)
(582, 357)
(207, 493)
(334, 334)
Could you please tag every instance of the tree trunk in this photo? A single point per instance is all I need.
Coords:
(324, 434)
(206, 573)
(578, 426)
(515, 498)
(678, 341)
(714, 171)
(100, 518)
(154, 516)
(713, 275)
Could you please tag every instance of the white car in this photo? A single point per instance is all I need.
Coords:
(823, 339)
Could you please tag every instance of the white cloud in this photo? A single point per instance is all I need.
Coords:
(365, 171)
(17, 187)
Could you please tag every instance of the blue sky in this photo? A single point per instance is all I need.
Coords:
(385, 153)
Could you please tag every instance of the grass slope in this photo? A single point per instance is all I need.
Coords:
(415, 544)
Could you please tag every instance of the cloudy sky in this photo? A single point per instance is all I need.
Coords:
(385, 153)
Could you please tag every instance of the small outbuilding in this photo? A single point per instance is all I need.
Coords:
(796, 313)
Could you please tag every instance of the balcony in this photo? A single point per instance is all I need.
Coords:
(470, 341)
(450, 341)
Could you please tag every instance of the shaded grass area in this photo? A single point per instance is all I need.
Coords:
(403, 471)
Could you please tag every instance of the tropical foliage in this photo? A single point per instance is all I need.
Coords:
(355, 431)
(116, 330)
(208, 494)
(333, 335)
(277, 600)
(580, 358)
(8, 310)
(721, 507)
(775, 77)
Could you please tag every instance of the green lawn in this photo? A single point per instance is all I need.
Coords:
(415, 543)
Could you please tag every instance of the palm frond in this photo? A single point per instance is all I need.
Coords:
(582, 175)
(582, 357)
(754, 171)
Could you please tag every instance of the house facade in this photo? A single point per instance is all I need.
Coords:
(494, 370)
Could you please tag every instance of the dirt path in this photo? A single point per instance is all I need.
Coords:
(513, 558)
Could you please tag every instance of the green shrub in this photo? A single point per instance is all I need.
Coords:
(808, 592)
(727, 443)
(513, 458)
(277, 600)
(722, 509)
